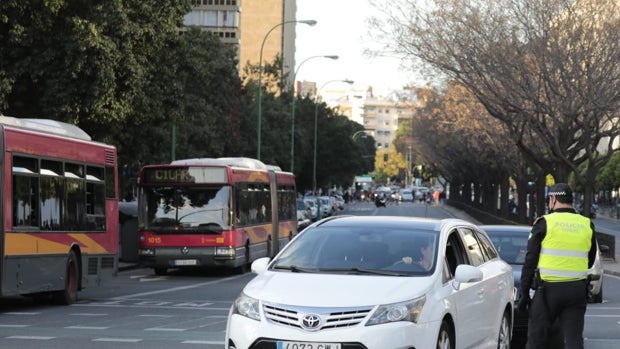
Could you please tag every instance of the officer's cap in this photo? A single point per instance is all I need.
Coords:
(562, 191)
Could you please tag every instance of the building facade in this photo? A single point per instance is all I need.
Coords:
(246, 24)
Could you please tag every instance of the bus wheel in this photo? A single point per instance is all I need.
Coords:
(160, 271)
(69, 294)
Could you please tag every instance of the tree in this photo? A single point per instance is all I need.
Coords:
(548, 69)
(86, 64)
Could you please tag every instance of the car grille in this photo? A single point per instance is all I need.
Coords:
(291, 316)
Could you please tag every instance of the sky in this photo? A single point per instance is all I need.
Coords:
(341, 30)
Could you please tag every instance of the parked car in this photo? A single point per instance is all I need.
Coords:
(511, 243)
(406, 194)
(378, 283)
(304, 214)
(311, 202)
(421, 192)
(327, 206)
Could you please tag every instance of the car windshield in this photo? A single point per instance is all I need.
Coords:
(187, 209)
(358, 250)
(511, 246)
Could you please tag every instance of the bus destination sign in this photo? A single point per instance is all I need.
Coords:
(187, 174)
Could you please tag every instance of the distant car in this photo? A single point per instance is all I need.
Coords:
(406, 195)
(420, 192)
(311, 202)
(511, 243)
(377, 282)
(304, 214)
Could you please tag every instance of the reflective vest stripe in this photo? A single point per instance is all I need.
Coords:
(564, 273)
(564, 253)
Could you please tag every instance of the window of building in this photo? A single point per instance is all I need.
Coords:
(210, 18)
(192, 18)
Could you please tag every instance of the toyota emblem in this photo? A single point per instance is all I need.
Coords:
(311, 322)
(185, 250)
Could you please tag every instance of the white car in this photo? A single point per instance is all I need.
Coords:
(378, 283)
(311, 202)
(406, 194)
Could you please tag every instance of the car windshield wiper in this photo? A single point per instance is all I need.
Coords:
(364, 271)
(295, 269)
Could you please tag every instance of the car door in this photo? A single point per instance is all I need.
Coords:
(466, 299)
(494, 285)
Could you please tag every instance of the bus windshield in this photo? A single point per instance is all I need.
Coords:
(188, 209)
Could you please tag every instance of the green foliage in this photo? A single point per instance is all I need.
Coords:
(121, 71)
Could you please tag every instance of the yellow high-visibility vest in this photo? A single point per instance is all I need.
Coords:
(564, 250)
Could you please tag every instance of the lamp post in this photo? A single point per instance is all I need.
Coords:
(316, 114)
(357, 134)
(309, 22)
(334, 57)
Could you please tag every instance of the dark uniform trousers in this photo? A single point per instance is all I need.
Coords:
(565, 300)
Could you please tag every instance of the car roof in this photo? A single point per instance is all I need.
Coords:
(392, 222)
(509, 228)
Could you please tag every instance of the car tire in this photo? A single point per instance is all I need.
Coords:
(598, 298)
(445, 339)
(504, 338)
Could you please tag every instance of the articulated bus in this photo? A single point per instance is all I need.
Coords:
(213, 212)
(59, 208)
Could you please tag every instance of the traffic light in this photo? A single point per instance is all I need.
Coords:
(385, 159)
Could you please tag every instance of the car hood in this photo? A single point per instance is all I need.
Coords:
(334, 290)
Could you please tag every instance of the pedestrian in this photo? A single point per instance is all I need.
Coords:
(560, 250)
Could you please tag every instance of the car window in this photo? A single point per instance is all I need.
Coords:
(511, 246)
(487, 246)
(341, 249)
(455, 254)
(474, 251)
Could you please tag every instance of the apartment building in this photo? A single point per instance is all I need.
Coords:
(382, 117)
(246, 24)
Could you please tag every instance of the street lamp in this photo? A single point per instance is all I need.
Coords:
(357, 134)
(334, 57)
(309, 22)
(316, 114)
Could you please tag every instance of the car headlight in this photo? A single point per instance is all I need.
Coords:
(247, 306)
(404, 311)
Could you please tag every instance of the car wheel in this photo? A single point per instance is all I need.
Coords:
(445, 340)
(598, 298)
(503, 339)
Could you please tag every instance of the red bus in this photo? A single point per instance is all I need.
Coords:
(213, 212)
(59, 207)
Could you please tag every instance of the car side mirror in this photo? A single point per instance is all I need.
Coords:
(260, 265)
(466, 273)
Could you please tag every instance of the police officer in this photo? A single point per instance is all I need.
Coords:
(560, 250)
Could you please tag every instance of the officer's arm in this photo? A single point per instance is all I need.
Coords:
(592, 253)
(533, 252)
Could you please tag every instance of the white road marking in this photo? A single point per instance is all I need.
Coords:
(203, 342)
(13, 326)
(181, 288)
(87, 327)
(118, 340)
(31, 337)
(165, 329)
(21, 313)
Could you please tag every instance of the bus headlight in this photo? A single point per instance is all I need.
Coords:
(225, 251)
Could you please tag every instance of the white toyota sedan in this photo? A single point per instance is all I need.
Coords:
(378, 283)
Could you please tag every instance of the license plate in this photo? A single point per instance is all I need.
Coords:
(307, 345)
(185, 262)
